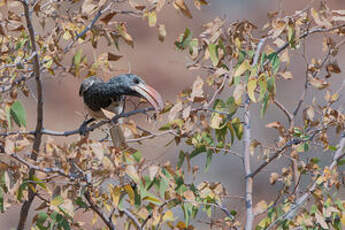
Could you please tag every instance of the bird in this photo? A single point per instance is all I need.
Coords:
(99, 95)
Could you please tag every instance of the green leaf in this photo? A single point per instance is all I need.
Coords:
(212, 49)
(163, 185)
(39, 182)
(208, 160)
(264, 105)
(20, 190)
(77, 58)
(273, 57)
(1, 201)
(79, 201)
(197, 151)
(18, 114)
(181, 158)
(238, 127)
(41, 219)
(184, 40)
(271, 85)
(137, 156)
(187, 209)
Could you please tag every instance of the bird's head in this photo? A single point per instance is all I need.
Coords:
(87, 83)
(133, 85)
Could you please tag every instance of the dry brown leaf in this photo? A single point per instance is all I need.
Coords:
(197, 90)
(108, 114)
(162, 33)
(153, 170)
(318, 83)
(189, 195)
(174, 112)
(181, 6)
(113, 57)
(274, 177)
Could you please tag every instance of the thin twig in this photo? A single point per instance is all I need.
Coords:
(88, 27)
(19, 63)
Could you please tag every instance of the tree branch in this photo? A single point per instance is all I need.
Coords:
(132, 217)
(39, 122)
(80, 130)
(88, 27)
(338, 155)
(98, 211)
(246, 155)
(44, 170)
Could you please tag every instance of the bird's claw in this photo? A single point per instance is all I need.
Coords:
(83, 128)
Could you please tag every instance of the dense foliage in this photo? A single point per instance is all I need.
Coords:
(118, 186)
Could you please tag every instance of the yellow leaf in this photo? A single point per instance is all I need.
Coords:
(66, 35)
(216, 120)
(129, 190)
(153, 200)
(260, 207)
(168, 216)
(251, 86)
(343, 219)
(152, 18)
(57, 201)
(242, 68)
(115, 195)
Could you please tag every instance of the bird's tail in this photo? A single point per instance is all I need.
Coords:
(117, 136)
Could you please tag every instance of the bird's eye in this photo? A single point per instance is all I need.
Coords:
(136, 81)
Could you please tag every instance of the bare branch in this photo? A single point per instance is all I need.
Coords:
(98, 211)
(44, 170)
(132, 217)
(39, 122)
(246, 154)
(20, 62)
(79, 130)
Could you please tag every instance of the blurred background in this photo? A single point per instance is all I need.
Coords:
(164, 68)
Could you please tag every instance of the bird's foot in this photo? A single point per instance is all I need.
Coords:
(83, 127)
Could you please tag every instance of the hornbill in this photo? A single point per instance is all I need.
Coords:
(98, 95)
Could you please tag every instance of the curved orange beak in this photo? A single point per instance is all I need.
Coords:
(150, 94)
